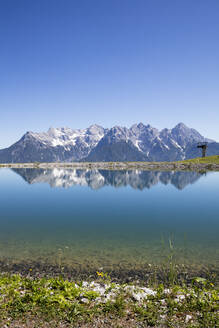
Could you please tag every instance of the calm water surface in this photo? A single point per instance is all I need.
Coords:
(103, 219)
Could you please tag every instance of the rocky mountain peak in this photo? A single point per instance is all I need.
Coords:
(95, 129)
(181, 126)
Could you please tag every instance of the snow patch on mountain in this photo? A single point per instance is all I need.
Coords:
(65, 136)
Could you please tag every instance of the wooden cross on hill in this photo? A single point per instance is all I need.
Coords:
(204, 146)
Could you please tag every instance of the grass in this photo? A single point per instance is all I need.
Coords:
(201, 160)
(105, 304)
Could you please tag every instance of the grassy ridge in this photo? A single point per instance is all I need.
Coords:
(201, 160)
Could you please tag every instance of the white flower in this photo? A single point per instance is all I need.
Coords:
(188, 318)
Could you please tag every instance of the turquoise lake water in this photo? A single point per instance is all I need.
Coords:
(105, 219)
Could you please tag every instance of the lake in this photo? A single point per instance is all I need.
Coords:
(123, 221)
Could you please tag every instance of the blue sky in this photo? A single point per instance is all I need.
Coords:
(110, 62)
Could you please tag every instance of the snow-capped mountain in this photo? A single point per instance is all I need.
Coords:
(138, 143)
(96, 179)
(65, 136)
(143, 142)
(55, 145)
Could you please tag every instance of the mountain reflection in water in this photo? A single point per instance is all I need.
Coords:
(97, 179)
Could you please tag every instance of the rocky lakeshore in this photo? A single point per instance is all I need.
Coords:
(159, 166)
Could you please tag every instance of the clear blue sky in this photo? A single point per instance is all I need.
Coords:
(111, 62)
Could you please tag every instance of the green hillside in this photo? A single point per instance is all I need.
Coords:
(205, 160)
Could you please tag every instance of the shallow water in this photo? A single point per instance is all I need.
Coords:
(92, 220)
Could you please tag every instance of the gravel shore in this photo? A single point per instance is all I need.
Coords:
(159, 166)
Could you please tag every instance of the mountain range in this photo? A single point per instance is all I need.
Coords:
(138, 143)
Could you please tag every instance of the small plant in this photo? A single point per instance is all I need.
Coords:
(169, 267)
(105, 277)
(172, 266)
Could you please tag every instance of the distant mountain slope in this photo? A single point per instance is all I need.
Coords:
(138, 143)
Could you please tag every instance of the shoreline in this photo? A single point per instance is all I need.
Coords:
(160, 166)
(146, 273)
